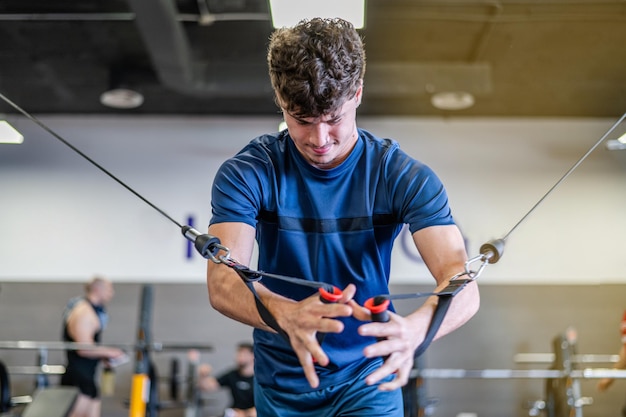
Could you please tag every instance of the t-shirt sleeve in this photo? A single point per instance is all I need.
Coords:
(417, 192)
(236, 192)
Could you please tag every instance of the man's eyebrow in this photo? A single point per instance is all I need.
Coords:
(331, 117)
(335, 116)
(298, 118)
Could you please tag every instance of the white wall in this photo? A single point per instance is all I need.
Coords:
(62, 219)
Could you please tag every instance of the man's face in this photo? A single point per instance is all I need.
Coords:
(326, 141)
(107, 292)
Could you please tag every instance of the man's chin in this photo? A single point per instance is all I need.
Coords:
(322, 162)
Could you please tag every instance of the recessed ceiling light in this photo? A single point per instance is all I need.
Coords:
(8, 134)
(618, 144)
(121, 98)
(452, 100)
(615, 145)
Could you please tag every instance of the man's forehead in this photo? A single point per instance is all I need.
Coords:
(329, 115)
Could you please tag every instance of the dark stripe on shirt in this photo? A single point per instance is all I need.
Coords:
(308, 225)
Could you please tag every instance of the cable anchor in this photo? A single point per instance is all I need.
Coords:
(490, 253)
(207, 245)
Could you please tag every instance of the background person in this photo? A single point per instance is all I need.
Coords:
(605, 383)
(238, 380)
(84, 319)
(325, 200)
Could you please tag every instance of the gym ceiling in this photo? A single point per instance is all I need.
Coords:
(559, 58)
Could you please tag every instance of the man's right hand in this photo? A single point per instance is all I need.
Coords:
(117, 357)
(304, 319)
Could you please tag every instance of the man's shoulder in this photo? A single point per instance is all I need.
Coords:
(376, 142)
(259, 151)
(271, 142)
(82, 313)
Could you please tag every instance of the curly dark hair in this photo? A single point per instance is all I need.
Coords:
(315, 66)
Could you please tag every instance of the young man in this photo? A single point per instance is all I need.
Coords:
(84, 319)
(239, 381)
(325, 201)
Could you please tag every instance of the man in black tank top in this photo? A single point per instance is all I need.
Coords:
(84, 319)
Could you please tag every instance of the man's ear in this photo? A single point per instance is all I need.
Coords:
(359, 94)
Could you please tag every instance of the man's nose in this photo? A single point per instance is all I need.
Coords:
(319, 134)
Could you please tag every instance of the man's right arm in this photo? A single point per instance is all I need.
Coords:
(228, 294)
(83, 324)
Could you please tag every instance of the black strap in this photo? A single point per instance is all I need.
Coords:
(265, 314)
(445, 299)
(435, 324)
(250, 276)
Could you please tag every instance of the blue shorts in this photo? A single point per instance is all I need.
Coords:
(349, 399)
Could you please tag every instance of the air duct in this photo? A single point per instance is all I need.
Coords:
(173, 61)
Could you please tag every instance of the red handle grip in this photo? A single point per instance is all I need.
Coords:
(330, 294)
(378, 307)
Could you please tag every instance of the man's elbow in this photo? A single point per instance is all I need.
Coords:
(216, 300)
(472, 301)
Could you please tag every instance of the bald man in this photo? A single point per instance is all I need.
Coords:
(84, 319)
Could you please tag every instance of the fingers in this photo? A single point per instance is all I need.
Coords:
(117, 353)
(395, 328)
(400, 379)
(308, 351)
(305, 319)
(306, 360)
(396, 344)
(399, 365)
(347, 294)
(359, 312)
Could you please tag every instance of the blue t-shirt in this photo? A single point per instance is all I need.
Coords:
(335, 226)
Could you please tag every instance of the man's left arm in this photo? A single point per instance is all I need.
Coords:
(443, 250)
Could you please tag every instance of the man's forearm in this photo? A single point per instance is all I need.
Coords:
(229, 295)
(463, 307)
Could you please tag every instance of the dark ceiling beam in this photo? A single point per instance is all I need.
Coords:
(175, 65)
